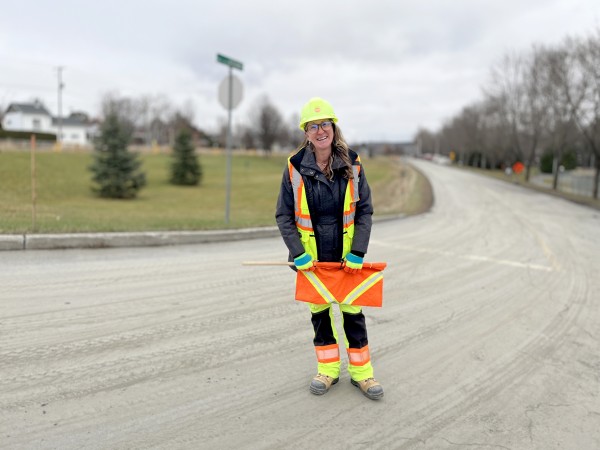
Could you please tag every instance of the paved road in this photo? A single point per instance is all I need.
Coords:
(489, 338)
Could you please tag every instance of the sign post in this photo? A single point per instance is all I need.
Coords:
(226, 96)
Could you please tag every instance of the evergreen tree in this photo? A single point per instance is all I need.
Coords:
(185, 168)
(116, 170)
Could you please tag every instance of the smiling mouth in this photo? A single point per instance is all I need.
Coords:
(322, 138)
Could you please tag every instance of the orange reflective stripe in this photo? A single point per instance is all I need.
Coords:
(359, 356)
(296, 187)
(298, 197)
(303, 221)
(352, 196)
(328, 353)
(355, 179)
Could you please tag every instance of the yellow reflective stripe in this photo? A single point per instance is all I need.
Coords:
(363, 287)
(319, 286)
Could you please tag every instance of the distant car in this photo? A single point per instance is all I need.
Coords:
(442, 159)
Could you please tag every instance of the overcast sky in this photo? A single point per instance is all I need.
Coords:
(387, 67)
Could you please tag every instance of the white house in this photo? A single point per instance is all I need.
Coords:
(27, 117)
(76, 129)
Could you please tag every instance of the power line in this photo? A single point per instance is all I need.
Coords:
(26, 86)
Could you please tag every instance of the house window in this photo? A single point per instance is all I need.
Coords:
(37, 125)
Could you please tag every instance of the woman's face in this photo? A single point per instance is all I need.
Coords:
(320, 133)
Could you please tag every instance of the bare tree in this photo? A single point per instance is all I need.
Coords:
(548, 98)
(428, 141)
(452, 138)
(557, 78)
(221, 135)
(267, 123)
(160, 111)
(292, 136)
(583, 95)
(246, 136)
(153, 117)
(124, 109)
(516, 90)
(471, 131)
(496, 145)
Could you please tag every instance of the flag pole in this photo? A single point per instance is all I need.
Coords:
(318, 264)
(267, 263)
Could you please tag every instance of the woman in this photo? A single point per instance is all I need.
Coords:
(324, 213)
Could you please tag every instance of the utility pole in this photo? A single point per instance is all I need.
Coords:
(61, 86)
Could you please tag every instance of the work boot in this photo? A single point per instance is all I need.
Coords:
(370, 387)
(321, 384)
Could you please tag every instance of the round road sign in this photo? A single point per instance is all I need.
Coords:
(236, 91)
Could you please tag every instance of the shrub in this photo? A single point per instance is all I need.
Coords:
(185, 169)
(116, 171)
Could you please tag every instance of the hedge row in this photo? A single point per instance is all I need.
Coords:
(26, 135)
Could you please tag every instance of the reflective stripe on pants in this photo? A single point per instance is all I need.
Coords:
(356, 342)
(328, 353)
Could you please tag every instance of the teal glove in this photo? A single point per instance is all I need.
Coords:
(304, 262)
(353, 263)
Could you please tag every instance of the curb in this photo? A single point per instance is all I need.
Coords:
(139, 239)
(12, 242)
(133, 239)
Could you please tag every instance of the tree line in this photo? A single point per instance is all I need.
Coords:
(117, 172)
(155, 120)
(539, 107)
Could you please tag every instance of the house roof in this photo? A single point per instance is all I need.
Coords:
(28, 108)
(71, 121)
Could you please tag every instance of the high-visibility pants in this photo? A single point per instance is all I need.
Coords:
(326, 341)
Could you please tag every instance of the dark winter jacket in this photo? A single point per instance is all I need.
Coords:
(326, 204)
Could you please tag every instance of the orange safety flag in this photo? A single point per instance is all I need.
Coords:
(329, 283)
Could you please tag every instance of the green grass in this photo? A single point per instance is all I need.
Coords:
(66, 203)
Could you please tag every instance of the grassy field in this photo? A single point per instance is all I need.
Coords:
(65, 202)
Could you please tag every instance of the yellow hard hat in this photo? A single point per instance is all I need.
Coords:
(316, 109)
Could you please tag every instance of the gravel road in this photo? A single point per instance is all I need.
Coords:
(489, 338)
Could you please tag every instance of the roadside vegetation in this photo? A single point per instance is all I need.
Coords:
(65, 201)
(521, 180)
(540, 108)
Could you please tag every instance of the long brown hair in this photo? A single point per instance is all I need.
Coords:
(339, 149)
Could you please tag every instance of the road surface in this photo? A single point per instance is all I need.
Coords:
(489, 338)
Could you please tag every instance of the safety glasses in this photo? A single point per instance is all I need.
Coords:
(314, 128)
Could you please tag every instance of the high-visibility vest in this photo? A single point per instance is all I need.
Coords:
(302, 214)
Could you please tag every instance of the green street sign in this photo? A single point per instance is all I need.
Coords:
(229, 62)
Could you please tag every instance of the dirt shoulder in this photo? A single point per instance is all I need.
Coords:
(409, 193)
